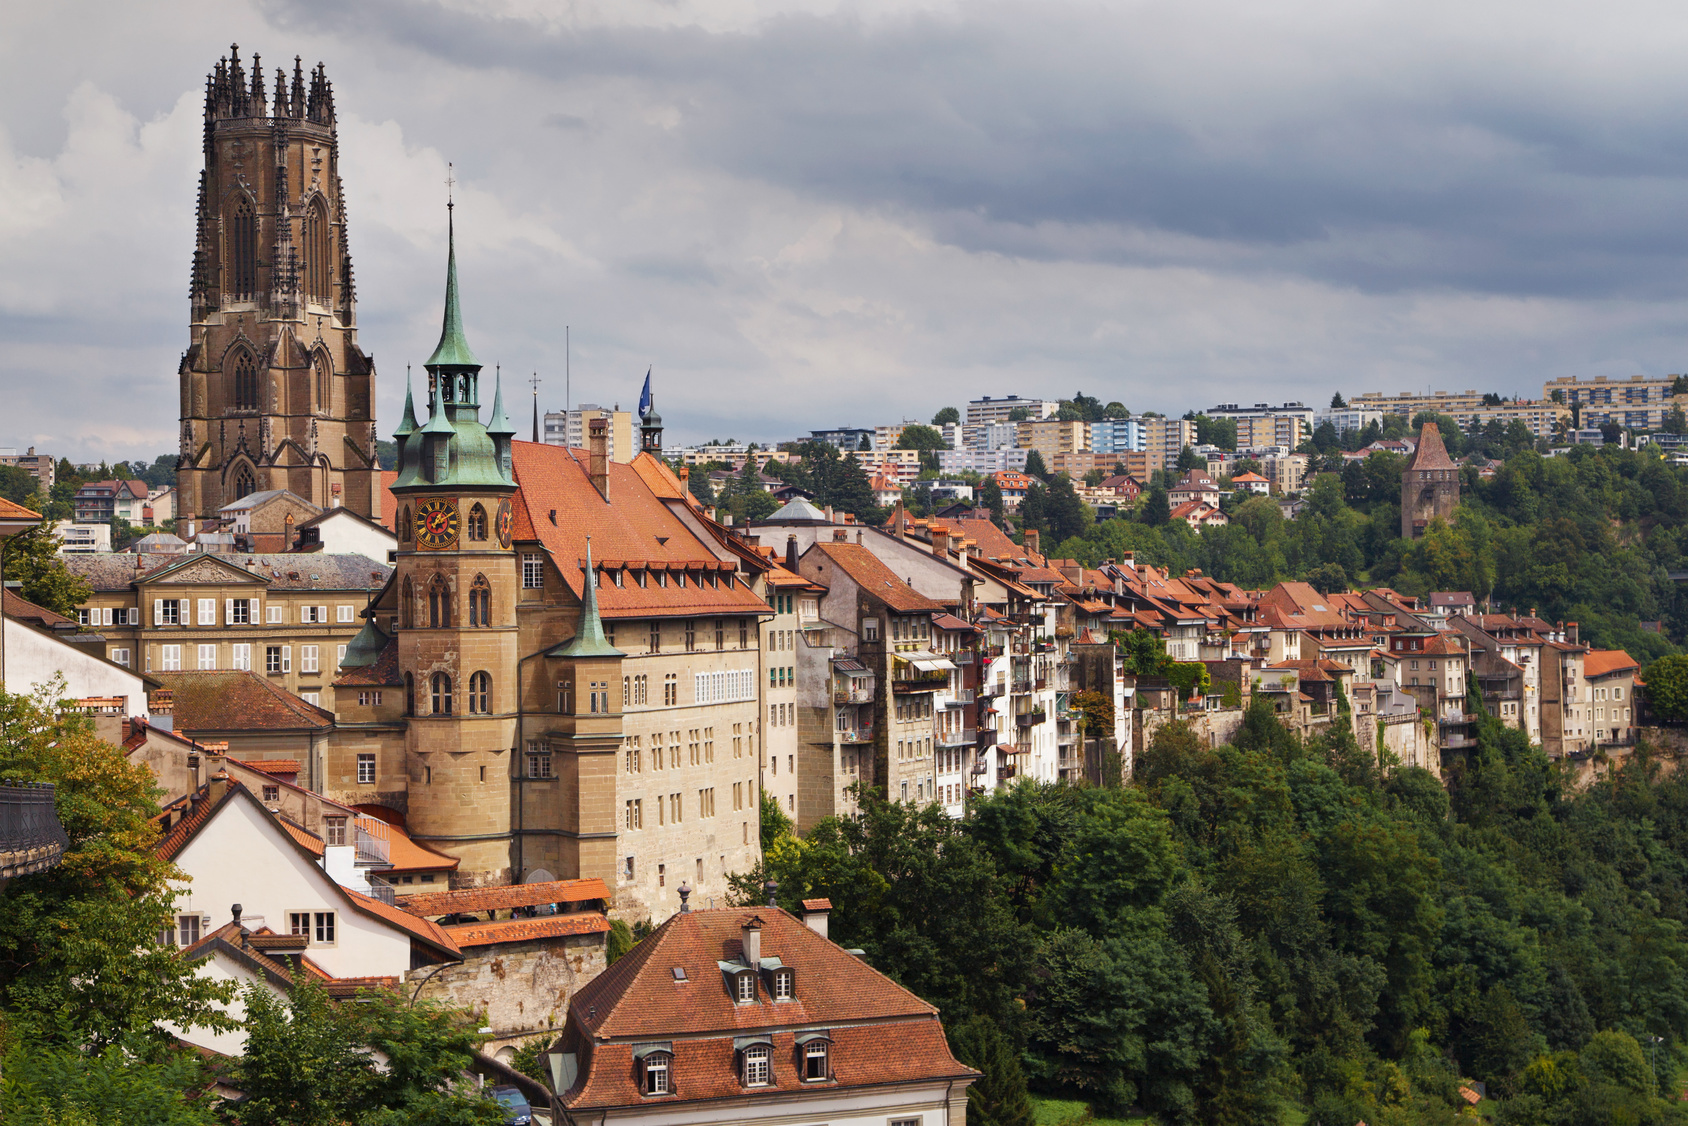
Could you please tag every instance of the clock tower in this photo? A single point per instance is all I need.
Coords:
(457, 586)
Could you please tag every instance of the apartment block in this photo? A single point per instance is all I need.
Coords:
(1409, 404)
(568, 428)
(1639, 401)
(981, 412)
(1117, 435)
(1052, 437)
(1165, 438)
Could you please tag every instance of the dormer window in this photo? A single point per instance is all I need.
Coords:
(814, 1057)
(758, 1065)
(744, 989)
(655, 1071)
(782, 985)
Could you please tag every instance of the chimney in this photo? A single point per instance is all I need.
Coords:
(899, 522)
(839, 535)
(1030, 543)
(771, 888)
(815, 914)
(858, 537)
(940, 541)
(1571, 633)
(685, 895)
(598, 439)
(829, 518)
(753, 942)
(791, 553)
(235, 912)
(219, 784)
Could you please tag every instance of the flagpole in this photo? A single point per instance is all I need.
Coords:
(568, 400)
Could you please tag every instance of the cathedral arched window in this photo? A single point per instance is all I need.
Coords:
(441, 685)
(319, 252)
(404, 525)
(241, 268)
(245, 382)
(439, 604)
(321, 369)
(477, 523)
(407, 603)
(244, 485)
(480, 602)
(480, 694)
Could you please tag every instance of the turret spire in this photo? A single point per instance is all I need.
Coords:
(407, 424)
(453, 348)
(588, 639)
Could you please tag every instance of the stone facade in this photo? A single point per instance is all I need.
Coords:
(275, 392)
(518, 989)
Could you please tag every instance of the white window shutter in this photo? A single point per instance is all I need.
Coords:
(184, 613)
(304, 613)
(322, 613)
(252, 611)
(158, 612)
(287, 658)
(228, 612)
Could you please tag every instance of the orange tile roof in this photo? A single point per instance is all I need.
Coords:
(21, 610)
(640, 998)
(526, 930)
(558, 506)
(1604, 662)
(270, 766)
(306, 839)
(875, 578)
(992, 541)
(15, 512)
(237, 700)
(389, 503)
(1431, 453)
(512, 895)
(424, 929)
(406, 855)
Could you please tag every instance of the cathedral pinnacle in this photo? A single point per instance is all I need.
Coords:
(588, 639)
(453, 348)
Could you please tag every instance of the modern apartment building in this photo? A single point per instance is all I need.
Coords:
(1165, 438)
(1051, 437)
(568, 428)
(1409, 403)
(1639, 401)
(1117, 435)
(980, 412)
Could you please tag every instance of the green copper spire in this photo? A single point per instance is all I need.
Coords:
(407, 424)
(498, 425)
(588, 639)
(453, 348)
(366, 648)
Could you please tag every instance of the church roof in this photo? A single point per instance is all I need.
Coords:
(453, 348)
(798, 508)
(1431, 453)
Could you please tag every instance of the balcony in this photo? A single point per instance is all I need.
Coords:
(373, 847)
(853, 690)
(1029, 719)
(962, 656)
(959, 698)
(992, 691)
(904, 687)
(1022, 687)
(383, 892)
(855, 734)
(958, 737)
(31, 838)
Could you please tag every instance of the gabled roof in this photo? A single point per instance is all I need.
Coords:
(252, 501)
(1604, 662)
(558, 505)
(239, 700)
(639, 996)
(875, 578)
(1431, 453)
(203, 809)
(340, 571)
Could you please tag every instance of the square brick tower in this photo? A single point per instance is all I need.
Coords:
(276, 393)
(1429, 484)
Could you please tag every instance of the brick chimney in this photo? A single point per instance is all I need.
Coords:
(791, 552)
(219, 785)
(940, 541)
(1571, 633)
(899, 522)
(1030, 544)
(598, 441)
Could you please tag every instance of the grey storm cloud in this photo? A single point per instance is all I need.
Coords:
(818, 212)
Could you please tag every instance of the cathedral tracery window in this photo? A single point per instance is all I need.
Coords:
(245, 382)
(242, 267)
(244, 485)
(480, 602)
(318, 252)
(439, 604)
(477, 523)
(442, 694)
(407, 598)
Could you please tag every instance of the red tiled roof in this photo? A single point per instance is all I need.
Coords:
(502, 898)
(270, 766)
(305, 838)
(406, 855)
(1431, 453)
(639, 996)
(13, 511)
(526, 930)
(384, 673)
(424, 929)
(817, 905)
(875, 578)
(389, 503)
(237, 700)
(558, 506)
(1603, 662)
(21, 610)
(199, 809)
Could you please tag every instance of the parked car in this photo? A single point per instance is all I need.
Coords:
(517, 1112)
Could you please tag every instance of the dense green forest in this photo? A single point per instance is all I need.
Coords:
(1589, 537)
(1271, 929)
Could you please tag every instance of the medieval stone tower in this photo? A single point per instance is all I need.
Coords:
(1429, 484)
(276, 393)
(457, 587)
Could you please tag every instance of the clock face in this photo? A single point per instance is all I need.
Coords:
(436, 524)
(506, 519)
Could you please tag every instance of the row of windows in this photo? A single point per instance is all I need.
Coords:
(442, 694)
(689, 634)
(700, 748)
(670, 808)
(203, 611)
(813, 1064)
(277, 658)
(440, 609)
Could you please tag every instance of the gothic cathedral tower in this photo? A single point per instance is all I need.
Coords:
(457, 586)
(276, 393)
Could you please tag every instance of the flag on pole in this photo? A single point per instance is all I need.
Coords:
(645, 396)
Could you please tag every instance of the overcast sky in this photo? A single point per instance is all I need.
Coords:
(820, 213)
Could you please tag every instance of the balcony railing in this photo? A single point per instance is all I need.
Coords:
(959, 698)
(855, 734)
(383, 892)
(1030, 719)
(854, 693)
(31, 838)
(958, 737)
(371, 842)
(1022, 687)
